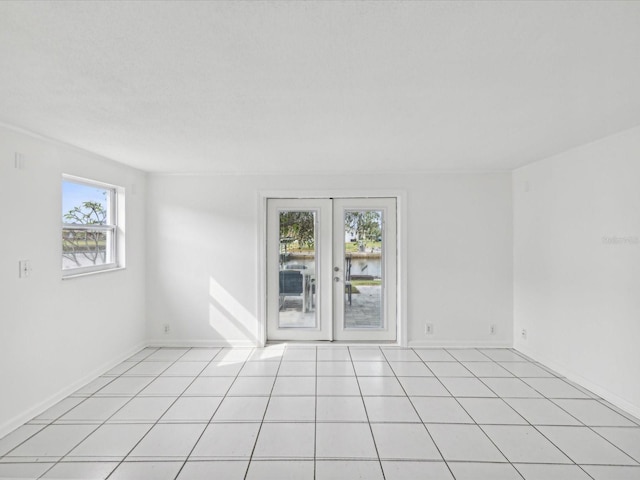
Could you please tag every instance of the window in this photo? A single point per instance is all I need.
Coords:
(89, 226)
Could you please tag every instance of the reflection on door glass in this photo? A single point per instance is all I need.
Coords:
(298, 295)
(363, 272)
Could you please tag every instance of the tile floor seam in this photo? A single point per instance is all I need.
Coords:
(210, 418)
(582, 425)
(600, 402)
(485, 433)
(373, 438)
(590, 428)
(457, 399)
(157, 421)
(423, 424)
(548, 439)
(594, 418)
(315, 422)
(99, 425)
(255, 443)
(533, 426)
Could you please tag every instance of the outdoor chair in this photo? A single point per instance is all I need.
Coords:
(291, 284)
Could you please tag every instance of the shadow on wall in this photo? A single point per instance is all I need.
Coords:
(229, 318)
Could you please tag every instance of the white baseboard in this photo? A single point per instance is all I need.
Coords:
(161, 342)
(19, 420)
(164, 342)
(458, 344)
(599, 390)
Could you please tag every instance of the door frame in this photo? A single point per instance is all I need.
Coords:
(323, 247)
(401, 260)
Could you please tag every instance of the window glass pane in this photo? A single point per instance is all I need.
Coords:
(297, 275)
(85, 248)
(84, 204)
(88, 230)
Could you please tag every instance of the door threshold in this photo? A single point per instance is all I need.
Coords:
(337, 343)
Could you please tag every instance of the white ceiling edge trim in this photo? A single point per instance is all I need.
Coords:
(335, 172)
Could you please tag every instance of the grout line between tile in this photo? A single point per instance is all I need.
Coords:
(373, 438)
(6, 459)
(124, 458)
(266, 408)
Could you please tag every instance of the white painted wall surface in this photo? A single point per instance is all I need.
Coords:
(203, 264)
(55, 335)
(577, 265)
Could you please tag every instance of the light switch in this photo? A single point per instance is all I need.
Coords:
(19, 161)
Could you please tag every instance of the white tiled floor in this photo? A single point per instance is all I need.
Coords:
(306, 412)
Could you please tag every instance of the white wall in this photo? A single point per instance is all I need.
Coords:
(577, 265)
(203, 263)
(54, 334)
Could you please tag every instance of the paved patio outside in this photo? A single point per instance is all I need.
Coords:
(364, 311)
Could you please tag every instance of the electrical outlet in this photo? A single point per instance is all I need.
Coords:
(524, 333)
(428, 329)
(25, 268)
(493, 329)
(166, 328)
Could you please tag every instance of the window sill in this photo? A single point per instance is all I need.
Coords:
(88, 274)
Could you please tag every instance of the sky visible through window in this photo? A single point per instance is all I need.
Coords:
(74, 194)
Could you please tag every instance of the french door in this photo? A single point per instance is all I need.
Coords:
(331, 269)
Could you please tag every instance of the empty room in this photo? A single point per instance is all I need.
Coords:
(320, 240)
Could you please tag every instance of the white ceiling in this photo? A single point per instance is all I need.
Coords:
(268, 87)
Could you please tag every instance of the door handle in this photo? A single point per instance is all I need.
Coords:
(337, 279)
(336, 269)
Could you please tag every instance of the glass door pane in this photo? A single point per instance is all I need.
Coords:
(298, 235)
(364, 256)
(363, 272)
(331, 269)
(297, 269)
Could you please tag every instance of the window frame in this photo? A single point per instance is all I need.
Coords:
(112, 228)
